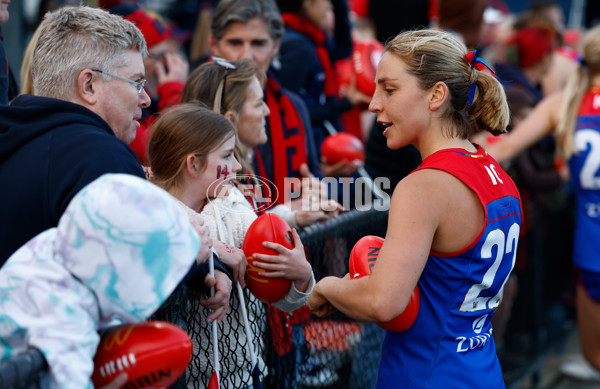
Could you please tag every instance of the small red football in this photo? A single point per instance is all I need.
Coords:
(364, 255)
(267, 227)
(342, 146)
(154, 354)
(365, 58)
(362, 259)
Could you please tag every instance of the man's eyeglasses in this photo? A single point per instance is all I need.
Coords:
(139, 86)
(219, 95)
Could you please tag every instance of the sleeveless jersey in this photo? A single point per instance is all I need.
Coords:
(450, 345)
(584, 166)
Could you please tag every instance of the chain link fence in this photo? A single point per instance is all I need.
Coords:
(295, 349)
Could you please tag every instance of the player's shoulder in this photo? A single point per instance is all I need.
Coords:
(429, 187)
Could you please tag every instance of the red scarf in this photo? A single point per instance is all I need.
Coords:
(318, 37)
(288, 141)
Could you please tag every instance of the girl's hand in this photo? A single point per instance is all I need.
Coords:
(289, 264)
(219, 303)
(234, 258)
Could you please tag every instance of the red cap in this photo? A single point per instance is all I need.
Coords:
(153, 29)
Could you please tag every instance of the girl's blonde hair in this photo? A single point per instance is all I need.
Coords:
(433, 56)
(577, 85)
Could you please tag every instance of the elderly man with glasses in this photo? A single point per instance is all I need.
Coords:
(88, 76)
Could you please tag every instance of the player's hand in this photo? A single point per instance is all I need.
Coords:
(318, 303)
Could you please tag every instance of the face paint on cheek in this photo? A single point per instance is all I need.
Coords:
(222, 171)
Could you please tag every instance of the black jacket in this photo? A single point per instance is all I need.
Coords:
(49, 150)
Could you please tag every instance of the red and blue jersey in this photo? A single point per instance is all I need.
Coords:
(584, 166)
(450, 345)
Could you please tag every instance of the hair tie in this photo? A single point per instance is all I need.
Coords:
(472, 85)
(477, 64)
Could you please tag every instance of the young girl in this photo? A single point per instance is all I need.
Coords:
(191, 153)
(453, 223)
(574, 115)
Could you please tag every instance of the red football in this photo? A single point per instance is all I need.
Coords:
(365, 58)
(266, 228)
(342, 146)
(154, 354)
(364, 255)
(362, 259)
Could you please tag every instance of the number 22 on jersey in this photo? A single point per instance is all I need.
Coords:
(505, 245)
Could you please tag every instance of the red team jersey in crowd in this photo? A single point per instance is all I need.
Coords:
(450, 345)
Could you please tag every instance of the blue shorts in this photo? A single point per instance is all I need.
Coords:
(590, 281)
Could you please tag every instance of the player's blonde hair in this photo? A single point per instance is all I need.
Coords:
(433, 56)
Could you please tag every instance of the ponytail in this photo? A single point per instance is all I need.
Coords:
(477, 99)
(489, 110)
